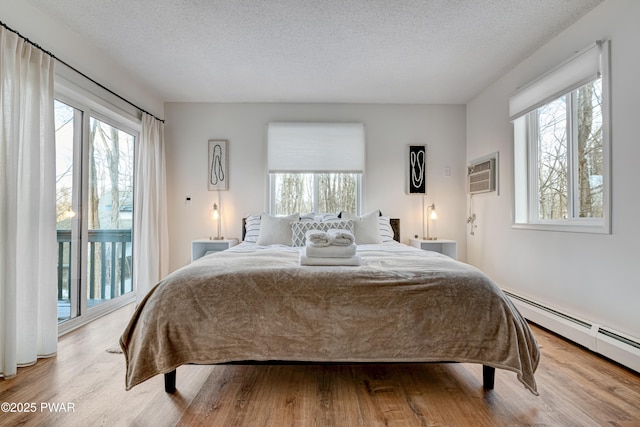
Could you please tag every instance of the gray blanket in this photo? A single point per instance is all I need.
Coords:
(399, 305)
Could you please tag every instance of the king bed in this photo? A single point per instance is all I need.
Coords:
(256, 303)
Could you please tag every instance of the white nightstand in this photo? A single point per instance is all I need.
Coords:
(202, 246)
(445, 247)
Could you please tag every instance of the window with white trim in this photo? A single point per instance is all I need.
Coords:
(315, 167)
(561, 147)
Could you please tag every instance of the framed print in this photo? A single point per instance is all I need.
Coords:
(218, 165)
(417, 169)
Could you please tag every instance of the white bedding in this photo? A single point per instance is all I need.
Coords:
(388, 246)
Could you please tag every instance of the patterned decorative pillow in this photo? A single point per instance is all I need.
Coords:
(299, 229)
(386, 232)
(307, 217)
(252, 228)
(326, 217)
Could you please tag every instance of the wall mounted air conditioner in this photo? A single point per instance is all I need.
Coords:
(481, 176)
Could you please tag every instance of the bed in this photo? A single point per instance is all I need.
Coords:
(255, 303)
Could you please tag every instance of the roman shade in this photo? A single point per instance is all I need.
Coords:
(315, 147)
(580, 69)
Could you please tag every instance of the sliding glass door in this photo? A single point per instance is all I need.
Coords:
(94, 168)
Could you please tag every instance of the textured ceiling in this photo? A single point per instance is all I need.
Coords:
(373, 51)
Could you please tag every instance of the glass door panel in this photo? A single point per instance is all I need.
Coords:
(68, 125)
(109, 213)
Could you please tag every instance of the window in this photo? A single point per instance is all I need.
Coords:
(562, 147)
(315, 167)
(314, 192)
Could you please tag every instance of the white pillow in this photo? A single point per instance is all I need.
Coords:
(366, 228)
(276, 230)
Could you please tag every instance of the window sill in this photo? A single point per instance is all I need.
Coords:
(600, 227)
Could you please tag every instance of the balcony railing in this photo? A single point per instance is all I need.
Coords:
(109, 263)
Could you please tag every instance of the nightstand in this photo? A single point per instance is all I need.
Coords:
(445, 247)
(201, 246)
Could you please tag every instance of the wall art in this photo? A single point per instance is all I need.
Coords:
(417, 169)
(218, 165)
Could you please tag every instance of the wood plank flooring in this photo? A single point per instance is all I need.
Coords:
(577, 388)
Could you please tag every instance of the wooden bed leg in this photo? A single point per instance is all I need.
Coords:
(488, 377)
(170, 382)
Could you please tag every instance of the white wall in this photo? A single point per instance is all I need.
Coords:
(389, 129)
(595, 277)
(75, 51)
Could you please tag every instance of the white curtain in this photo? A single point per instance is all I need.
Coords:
(28, 279)
(151, 236)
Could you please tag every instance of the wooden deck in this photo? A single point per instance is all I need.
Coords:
(577, 388)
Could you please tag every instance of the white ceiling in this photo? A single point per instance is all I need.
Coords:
(363, 51)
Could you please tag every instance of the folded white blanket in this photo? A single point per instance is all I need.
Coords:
(331, 251)
(317, 238)
(341, 237)
(351, 261)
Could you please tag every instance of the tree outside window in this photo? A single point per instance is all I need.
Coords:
(314, 192)
(569, 155)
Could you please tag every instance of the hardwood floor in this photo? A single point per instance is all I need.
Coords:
(577, 388)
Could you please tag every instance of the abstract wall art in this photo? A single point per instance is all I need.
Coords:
(218, 165)
(417, 169)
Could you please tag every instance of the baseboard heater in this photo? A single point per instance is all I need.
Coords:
(599, 339)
